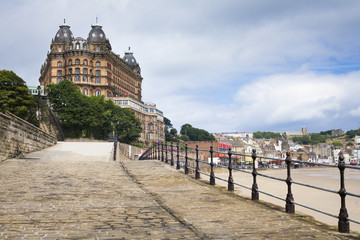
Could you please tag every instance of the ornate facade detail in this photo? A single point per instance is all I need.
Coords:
(96, 70)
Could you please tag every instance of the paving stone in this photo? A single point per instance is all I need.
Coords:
(68, 195)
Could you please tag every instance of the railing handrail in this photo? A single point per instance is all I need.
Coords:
(158, 149)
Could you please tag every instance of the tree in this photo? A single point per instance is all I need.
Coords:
(267, 135)
(15, 97)
(337, 144)
(258, 135)
(167, 123)
(352, 133)
(196, 134)
(83, 116)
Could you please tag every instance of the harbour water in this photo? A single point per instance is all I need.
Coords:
(322, 177)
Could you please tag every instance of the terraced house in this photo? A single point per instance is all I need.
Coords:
(93, 66)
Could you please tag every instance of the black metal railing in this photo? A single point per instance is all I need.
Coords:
(160, 150)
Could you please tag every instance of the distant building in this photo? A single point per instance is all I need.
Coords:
(304, 131)
(34, 90)
(239, 134)
(97, 71)
(357, 139)
(337, 132)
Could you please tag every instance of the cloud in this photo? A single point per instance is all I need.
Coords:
(219, 65)
(276, 102)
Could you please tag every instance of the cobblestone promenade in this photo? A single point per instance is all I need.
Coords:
(75, 191)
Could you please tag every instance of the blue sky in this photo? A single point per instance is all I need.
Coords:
(219, 65)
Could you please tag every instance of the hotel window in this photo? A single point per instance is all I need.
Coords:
(70, 62)
(85, 71)
(97, 64)
(85, 62)
(77, 70)
(98, 93)
(59, 64)
(77, 61)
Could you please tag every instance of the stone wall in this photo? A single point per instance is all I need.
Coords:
(18, 136)
(130, 151)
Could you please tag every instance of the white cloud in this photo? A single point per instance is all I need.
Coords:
(233, 65)
(355, 112)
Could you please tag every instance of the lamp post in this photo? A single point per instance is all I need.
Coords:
(49, 94)
(39, 90)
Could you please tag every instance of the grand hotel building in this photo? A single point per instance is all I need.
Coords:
(93, 66)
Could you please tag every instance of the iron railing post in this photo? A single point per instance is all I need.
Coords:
(212, 175)
(166, 153)
(290, 206)
(172, 155)
(343, 224)
(254, 189)
(197, 171)
(162, 151)
(158, 150)
(186, 159)
(230, 179)
(154, 151)
(177, 156)
(115, 146)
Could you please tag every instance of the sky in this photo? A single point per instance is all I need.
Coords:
(219, 65)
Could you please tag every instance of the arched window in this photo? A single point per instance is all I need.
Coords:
(77, 61)
(59, 64)
(77, 46)
(85, 62)
(77, 70)
(97, 64)
(77, 78)
(59, 79)
(84, 78)
(98, 93)
(84, 46)
(70, 62)
(98, 49)
(85, 71)
(91, 63)
(85, 91)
